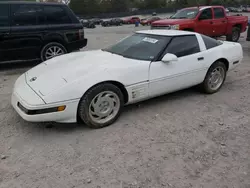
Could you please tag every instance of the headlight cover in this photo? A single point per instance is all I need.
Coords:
(175, 27)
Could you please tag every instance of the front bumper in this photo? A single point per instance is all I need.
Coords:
(29, 106)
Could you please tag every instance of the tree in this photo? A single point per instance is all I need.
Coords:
(208, 2)
(119, 5)
(84, 6)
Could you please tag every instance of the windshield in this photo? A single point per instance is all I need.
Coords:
(140, 46)
(186, 14)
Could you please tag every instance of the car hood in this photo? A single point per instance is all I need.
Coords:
(171, 21)
(62, 70)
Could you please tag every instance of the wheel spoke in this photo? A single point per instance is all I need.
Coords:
(50, 50)
(49, 53)
(216, 78)
(104, 107)
(58, 50)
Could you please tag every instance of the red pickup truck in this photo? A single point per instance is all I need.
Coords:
(131, 20)
(208, 20)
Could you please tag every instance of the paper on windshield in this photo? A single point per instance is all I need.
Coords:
(150, 40)
(189, 13)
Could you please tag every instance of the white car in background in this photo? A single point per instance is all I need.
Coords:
(93, 86)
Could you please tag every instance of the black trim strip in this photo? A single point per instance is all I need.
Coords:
(36, 112)
(235, 62)
(161, 54)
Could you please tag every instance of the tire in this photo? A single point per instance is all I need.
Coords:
(234, 36)
(214, 69)
(86, 105)
(48, 47)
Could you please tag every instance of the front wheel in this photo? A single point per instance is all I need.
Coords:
(51, 50)
(215, 78)
(101, 106)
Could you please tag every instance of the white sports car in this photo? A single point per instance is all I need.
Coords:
(93, 86)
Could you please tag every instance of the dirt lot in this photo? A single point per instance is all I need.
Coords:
(182, 140)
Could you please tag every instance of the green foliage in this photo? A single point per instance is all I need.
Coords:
(84, 6)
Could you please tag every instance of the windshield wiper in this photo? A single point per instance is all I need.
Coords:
(179, 18)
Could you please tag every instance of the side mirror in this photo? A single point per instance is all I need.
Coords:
(169, 57)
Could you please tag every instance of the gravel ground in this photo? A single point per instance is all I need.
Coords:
(182, 140)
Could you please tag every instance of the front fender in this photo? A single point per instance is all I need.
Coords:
(77, 88)
(189, 25)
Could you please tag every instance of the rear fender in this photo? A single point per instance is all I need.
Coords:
(54, 38)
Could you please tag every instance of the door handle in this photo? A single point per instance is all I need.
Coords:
(223, 21)
(211, 22)
(200, 58)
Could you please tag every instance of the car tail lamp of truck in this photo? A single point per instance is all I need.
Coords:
(81, 34)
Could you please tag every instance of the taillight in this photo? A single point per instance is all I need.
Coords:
(81, 34)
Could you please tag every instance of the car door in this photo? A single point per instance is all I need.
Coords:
(188, 70)
(219, 22)
(27, 27)
(204, 23)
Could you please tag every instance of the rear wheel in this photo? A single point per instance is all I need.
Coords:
(215, 78)
(51, 50)
(235, 35)
(101, 105)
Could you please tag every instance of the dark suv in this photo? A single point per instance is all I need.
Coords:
(38, 31)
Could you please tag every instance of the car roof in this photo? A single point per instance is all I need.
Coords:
(30, 2)
(204, 7)
(166, 32)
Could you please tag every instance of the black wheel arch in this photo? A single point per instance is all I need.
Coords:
(238, 26)
(54, 38)
(223, 60)
(115, 83)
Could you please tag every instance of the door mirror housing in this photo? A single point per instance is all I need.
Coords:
(169, 57)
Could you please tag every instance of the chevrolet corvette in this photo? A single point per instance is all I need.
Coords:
(92, 87)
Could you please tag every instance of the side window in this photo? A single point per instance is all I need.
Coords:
(219, 13)
(183, 46)
(56, 15)
(4, 15)
(25, 15)
(210, 42)
(206, 14)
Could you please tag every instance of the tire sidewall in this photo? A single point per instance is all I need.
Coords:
(205, 86)
(235, 29)
(45, 48)
(230, 36)
(83, 107)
